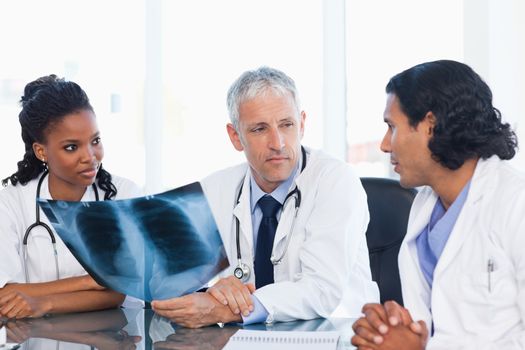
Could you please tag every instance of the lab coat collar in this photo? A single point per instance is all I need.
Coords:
(279, 194)
(481, 183)
(89, 194)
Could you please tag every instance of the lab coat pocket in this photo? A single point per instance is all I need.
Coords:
(489, 286)
(486, 294)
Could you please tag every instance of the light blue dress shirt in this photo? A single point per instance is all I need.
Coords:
(259, 313)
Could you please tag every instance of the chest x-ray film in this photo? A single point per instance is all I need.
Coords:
(154, 247)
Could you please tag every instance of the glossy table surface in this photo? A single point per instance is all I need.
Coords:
(141, 329)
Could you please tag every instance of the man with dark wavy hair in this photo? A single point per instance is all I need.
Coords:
(461, 263)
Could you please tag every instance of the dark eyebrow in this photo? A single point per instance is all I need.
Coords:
(95, 135)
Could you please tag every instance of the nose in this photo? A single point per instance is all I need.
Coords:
(88, 155)
(276, 140)
(386, 142)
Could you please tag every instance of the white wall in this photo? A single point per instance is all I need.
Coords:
(495, 48)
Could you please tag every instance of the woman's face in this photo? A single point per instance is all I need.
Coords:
(72, 151)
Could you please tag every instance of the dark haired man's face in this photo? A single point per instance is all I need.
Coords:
(407, 145)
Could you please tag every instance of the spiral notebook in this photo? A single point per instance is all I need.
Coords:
(276, 340)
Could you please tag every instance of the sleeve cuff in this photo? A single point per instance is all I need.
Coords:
(258, 315)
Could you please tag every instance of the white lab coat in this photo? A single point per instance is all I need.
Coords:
(491, 226)
(17, 213)
(326, 263)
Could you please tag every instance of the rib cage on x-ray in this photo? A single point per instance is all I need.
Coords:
(152, 247)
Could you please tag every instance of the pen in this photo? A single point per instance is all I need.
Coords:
(490, 269)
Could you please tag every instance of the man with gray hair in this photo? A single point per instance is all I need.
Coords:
(292, 219)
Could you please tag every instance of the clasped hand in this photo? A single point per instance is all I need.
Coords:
(224, 302)
(388, 326)
(232, 292)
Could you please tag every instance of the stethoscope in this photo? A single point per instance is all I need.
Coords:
(45, 226)
(242, 271)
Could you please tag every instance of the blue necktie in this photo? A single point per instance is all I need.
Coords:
(266, 234)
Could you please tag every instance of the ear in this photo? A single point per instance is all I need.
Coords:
(235, 138)
(429, 123)
(302, 118)
(40, 151)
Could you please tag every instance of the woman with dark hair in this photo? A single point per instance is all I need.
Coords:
(62, 161)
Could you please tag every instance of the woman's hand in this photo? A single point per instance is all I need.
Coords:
(232, 292)
(15, 304)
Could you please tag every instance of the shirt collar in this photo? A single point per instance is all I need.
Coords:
(279, 194)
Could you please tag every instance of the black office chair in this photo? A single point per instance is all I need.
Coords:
(389, 206)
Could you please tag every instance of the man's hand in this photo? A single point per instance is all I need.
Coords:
(372, 329)
(18, 305)
(195, 310)
(232, 292)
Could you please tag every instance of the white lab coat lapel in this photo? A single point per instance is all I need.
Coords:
(287, 215)
(285, 225)
(242, 211)
(416, 296)
(463, 228)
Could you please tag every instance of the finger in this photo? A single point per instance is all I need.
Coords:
(245, 289)
(18, 310)
(170, 304)
(361, 343)
(232, 300)
(238, 296)
(397, 314)
(364, 330)
(217, 294)
(4, 299)
(376, 316)
(7, 305)
(243, 298)
(420, 327)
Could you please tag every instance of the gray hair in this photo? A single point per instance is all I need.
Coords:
(257, 83)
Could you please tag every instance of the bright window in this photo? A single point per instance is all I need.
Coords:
(384, 38)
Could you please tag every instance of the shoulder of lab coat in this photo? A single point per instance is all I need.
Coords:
(126, 188)
(17, 209)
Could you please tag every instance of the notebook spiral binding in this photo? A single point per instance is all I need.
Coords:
(283, 340)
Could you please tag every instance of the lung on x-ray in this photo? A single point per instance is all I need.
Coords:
(153, 247)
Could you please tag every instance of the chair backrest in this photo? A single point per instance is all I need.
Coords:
(389, 206)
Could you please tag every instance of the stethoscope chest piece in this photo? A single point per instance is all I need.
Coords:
(242, 272)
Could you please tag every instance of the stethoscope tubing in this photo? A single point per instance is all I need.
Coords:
(45, 226)
(296, 195)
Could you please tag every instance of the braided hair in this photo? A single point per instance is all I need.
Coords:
(45, 102)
